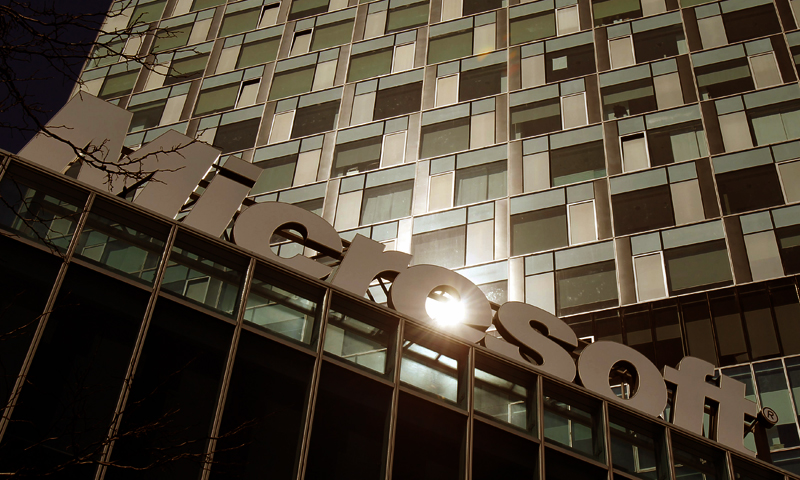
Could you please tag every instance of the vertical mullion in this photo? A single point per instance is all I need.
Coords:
(37, 336)
(226, 378)
(470, 414)
(135, 357)
(312, 392)
(540, 423)
(395, 399)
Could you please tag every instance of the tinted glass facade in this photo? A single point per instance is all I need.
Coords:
(631, 167)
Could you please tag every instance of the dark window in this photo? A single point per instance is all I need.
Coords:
(448, 47)
(536, 118)
(477, 6)
(760, 329)
(750, 23)
(749, 189)
(258, 52)
(539, 230)
(278, 173)
(350, 426)
(629, 98)
(730, 333)
(185, 69)
(658, 43)
(315, 119)
(569, 63)
(445, 137)
(237, 136)
(171, 404)
(26, 278)
(405, 17)
(370, 64)
(533, 27)
(147, 115)
(642, 210)
(306, 8)
(787, 311)
(676, 143)
(697, 267)
(724, 78)
(607, 12)
(358, 156)
(68, 402)
(699, 334)
(391, 102)
(216, 99)
(789, 244)
(669, 345)
(499, 454)
(588, 287)
(429, 444)
(293, 82)
(481, 82)
(577, 163)
(639, 334)
(263, 421)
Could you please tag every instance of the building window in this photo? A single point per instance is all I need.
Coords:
(480, 183)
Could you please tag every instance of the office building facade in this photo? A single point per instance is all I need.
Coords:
(629, 166)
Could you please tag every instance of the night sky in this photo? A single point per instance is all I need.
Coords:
(51, 89)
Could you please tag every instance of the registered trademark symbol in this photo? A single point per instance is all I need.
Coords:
(770, 415)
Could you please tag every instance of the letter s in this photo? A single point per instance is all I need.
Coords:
(540, 334)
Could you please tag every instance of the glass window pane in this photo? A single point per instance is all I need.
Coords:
(440, 192)
(536, 118)
(131, 247)
(572, 423)
(203, 280)
(763, 255)
(789, 244)
(676, 143)
(237, 136)
(293, 82)
(614, 11)
(148, 12)
(445, 247)
(201, 4)
(358, 156)
(370, 65)
(430, 370)
(693, 460)
(239, 22)
(699, 335)
(359, 339)
(49, 219)
(446, 137)
(217, 99)
(578, 163)
(642, 210)
(186, 69)
(305, 8)
(407, 17)
(118, 85)
(480, 242)
(621, 50)
(773, 392)
(703, 265)
(574, 110)
(633, 447)
(629, 98)
(582, 223)
(531, 28)
(278, 173)
(687, 202)
(172, 38)
(588, 287)
(787, 311)
(332, 35)
(442, 49)
(290, 309)
(649, 277)
(730, 334)
(760, 329)
(790, 178)
(387, 202)
(258, 52)
(480, 183)
(749, 189)
(634, 153)
(391, 102)
(147, 115)
(315, 119)
(482, 82)
(505, 396)
(539, 230)
(765, 70)
(446, 90)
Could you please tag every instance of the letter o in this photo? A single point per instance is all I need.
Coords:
(411, 288)
(594, 366)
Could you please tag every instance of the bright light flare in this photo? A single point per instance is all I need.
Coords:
(445, 308)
